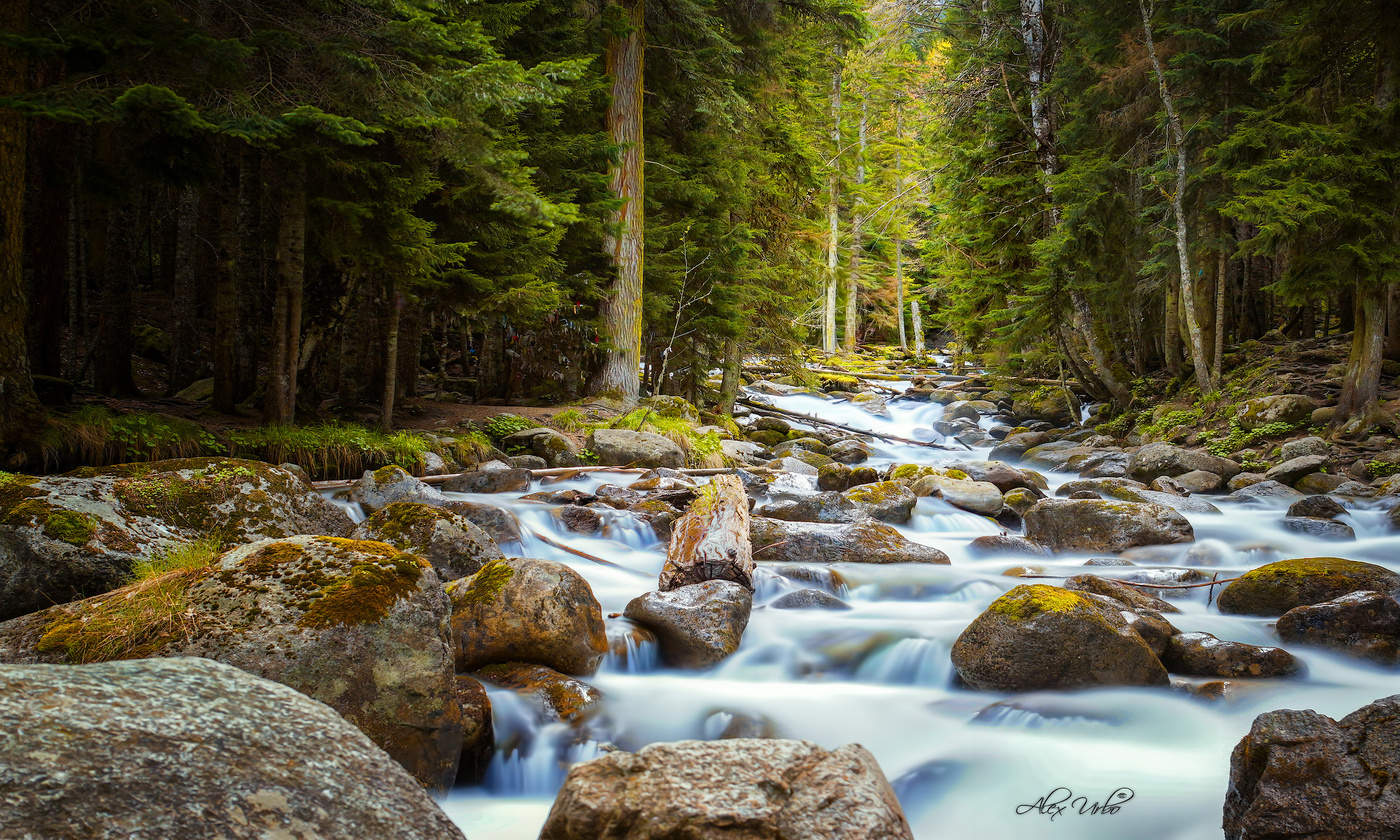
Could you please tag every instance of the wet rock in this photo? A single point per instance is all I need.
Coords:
(849, 452)
(1275, 408)
(1317, 483)
(1200, 481)
(830, 506)
(1203, 655)
(522, 609)
(977, 496)
(64, 537)
(888, 501)
(1311, 445)
(778, 541)
(1322, 529)
(1005, 545)
(499, 523)
(746, 787)
(451, 543)
(490, 481)
(772, 424)
(527, 462)
(389, 484)
(1322, 507)
(808, 599)
(1363, 624)
(360, 626)
(555, 696)
(554, 447)
(580, 520)
(1290, 471)
(125, 750)
(1113, 488)
(1004, 476)
(1105, 465)
(797, 466)
(1171, 486)
(1157, 459)
(623, 447)
(1055, 455)
(1276, 588)
(1131, 597)
(723, 725)
(1300, 774)
(697, 625)
(744, 451)
(1045, 637)
(1264, 491)
(1244, 480)
(1075, 525)
(298, 471)
(478, 730)
(804, 444)
(1108, 561)
(1019, 499)
(1084, 494)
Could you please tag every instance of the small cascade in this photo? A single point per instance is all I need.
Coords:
(630, 649)
(532, 757)
(908, 662)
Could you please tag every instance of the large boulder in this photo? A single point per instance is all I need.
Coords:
(1275, 408)
(696, 625)
(390, 484)
(626, 448)
(360, 626)
(1364, 624)
(1044, 637)
(555, 448)
(450, 542)
(1290, 471)
(508, 480)
(1304, 776)
(65, 537)
(977, 496)
(888, 501)
(184, 747)
(1276, 588)
(1096, 525)
(827, 507)
(1159, 459)
(866, 541)
(1203, 655)
(522, 609)
(740, 788)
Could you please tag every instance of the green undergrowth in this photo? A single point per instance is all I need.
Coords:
(701, 449)
(197, 554)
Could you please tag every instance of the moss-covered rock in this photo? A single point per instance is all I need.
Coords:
(888, 501)
(1090, 525)
(451, 543)
(1276, 588)
(527, 610)
(386, 485)
(1363, 624)
(70, 536)
(1275, 408)
(358, 625)
(1044, 637)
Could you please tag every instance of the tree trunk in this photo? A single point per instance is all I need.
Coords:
(729, 383)
(917, 324)
(1359, 406)
(410, 348)
(19, 407)
(47, 210)
(280, 396)
(1171, 330)
(852, 332)
(898, 240)
(621, 312)
(391, 359)
(225, 235)
(1178, 198)
(833, 212)
(711, 541)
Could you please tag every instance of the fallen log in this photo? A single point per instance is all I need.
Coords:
(711, 541)
(346, 483)
(760, 408)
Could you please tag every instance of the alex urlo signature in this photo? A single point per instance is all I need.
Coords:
(1061, 799)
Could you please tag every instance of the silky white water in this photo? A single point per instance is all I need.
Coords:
(879, 674)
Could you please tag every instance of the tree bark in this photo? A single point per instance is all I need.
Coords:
(1222, 278)
(711, 541)
(20, 412)
(1178, 198)
(280, 395)
(729, 383)
(899, 241)
(1359, 406)
(391, 359)
(621, 312)
(917, 324)
(1171, 330)
(852, 324)
(833, 212)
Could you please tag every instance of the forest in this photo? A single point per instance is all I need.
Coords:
(655, 419)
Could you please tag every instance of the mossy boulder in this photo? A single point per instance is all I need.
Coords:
(1096, 525)
(666, 405)
(64, 537)
(1276, 588)
(626, 448)
(866, 541)
(386, 485)
(697, 625)
(555, 697)
(1039, 637)
(887, 501)
(527, 610)
(186, 747)
(1045, 403)
(554, 447)
(359, 625)
(451, 543)
(1275, 408)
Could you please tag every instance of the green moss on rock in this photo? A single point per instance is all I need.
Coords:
(367, 593)
(484, 586)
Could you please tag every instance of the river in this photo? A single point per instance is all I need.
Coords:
(879, 674)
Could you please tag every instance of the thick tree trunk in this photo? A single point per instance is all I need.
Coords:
(833, 213)
(391, 359)
(1171, 330)
(729, 383)
(1359, 406)
(1222, 279)
(280, 395)
(1178, 198)
(711, 541)
(852, 332)
(19, 408)
(621, 312)
(226, 316)
(917, 323)
(410, 348)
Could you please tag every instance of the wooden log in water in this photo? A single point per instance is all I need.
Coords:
(760, 408)
(711, 541)
(344, 483)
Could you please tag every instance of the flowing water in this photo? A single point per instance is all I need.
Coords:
(879, 674)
